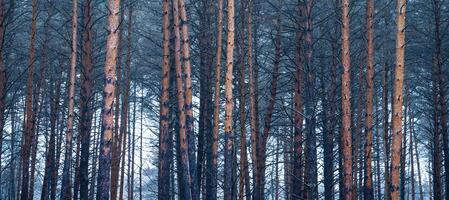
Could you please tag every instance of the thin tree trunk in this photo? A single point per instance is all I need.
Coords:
(29, 123)
(125, 102)
(183, 147)
(421, 192)
(346, 103)
(397, 100)
(368, 191)
(244, 174)
(442, 91)
(211, 178)
(85, 125)
(229, 134)
(3, 77)
(108, 100)
(117, 138)
(403, 149)
(188, 96)
(412, 170)
(263, 139)
(66, 190)
(164, 168)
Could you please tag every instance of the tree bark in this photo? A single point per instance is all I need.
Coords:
(183, 147)
(229, 135)
(29, 123)
(3, 77)
(398, 98)
(368, 191)
(211, 178)
(86, 99)
(66, 190)
(108, 100)
(346, 104)
(164, 168)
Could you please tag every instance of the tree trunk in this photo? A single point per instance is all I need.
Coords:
(297, 177)
(229, 135)
(29, 123)
(108, 100)
(3, 77)
(346, 104)
(66, 190)
(125, 102)
(397, 100)
(368, 191)
(442, 91)
(263, 139)
(164, 168)
(211, 178)
(183, 147)
(244, 173)
(412, 170)
(86, 112)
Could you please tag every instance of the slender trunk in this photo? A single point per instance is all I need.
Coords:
(243, 181)
(164, 168)
(108, 100)
(229, 134)
(117, 138)
(298, 111)
(183, 147)
(86, 99)
(329, 136)
(125, 101)
(188, 96)
(403, 149)
(442, 92)
(263, 139)
(3, 77)
(397, 100)
(385, 135)
(346, 103)
(205, 120)
(436, 160)
(421, 192)
(56, 144)
(29, 123)
(254, 123)
(211, 178)
(412, 170)
(368, 191)
(66, 190)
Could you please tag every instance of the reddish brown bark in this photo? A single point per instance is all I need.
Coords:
(229, 135)
(297, 176)
(112, 44)
(211, 178)
(346, 103)
(398, 99)
(183, 147)
(29, 122)
(86, 99)
(66, 190)
(164, 168)
(368, 191)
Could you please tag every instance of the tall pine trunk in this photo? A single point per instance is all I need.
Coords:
(229, 135)
(211, 178)
(368, 191)
(184, 179)
(104, 167)
(164, 168)
(29, 122)
(398, 99)
(86, 112)
(346, 104)
(66, 190)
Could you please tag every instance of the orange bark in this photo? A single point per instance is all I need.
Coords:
(398, 99)
(346, 104)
